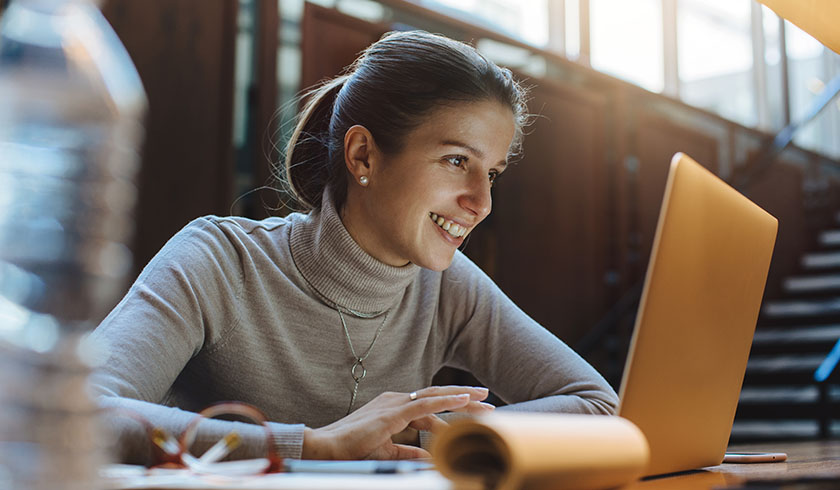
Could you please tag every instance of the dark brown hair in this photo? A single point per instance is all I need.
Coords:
(388, 90)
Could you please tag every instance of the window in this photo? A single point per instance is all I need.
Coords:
(725, 56)
(811, 66)
(626, 40)
(776, 116)
(520, 19)
(715, 58)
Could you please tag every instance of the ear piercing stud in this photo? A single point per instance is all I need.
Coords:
(363, 180)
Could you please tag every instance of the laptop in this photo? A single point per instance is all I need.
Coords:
(696, 319)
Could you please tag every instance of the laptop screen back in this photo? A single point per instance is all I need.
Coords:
(696, 319)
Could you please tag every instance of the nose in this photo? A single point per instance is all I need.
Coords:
(476, 198)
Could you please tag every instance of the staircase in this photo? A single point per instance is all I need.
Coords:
(781, 398)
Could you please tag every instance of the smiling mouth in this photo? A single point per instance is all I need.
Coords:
(448, 226)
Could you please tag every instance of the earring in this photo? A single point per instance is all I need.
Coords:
(363, 180)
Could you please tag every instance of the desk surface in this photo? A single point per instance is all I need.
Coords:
(805, 460)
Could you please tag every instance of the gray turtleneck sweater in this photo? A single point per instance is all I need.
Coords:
(236, 309)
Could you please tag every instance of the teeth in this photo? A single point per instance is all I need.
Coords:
(449, 226)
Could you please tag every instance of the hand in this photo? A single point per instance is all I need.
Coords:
(366, 433)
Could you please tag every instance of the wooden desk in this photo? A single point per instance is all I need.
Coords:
(805, 459)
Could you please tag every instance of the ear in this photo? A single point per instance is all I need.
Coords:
(360, 153)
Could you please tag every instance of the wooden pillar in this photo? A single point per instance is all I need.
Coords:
(264, 107)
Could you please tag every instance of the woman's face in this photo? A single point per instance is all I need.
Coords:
(421, 203)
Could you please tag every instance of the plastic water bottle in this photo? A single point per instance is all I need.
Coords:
(71, 109)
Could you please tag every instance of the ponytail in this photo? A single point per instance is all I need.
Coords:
(308, 164)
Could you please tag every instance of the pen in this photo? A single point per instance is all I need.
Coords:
(364, 467)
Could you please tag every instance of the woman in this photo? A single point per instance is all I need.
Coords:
(334, 322)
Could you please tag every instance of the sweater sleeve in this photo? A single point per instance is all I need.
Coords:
(527, 366)
(183, 303)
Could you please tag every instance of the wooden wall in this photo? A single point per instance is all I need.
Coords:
(184, 52)
(654, 142)
(330, 41)
(552, 219)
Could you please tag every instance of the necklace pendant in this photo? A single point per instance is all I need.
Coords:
(359, 362)
(353, 398)
(358, 377)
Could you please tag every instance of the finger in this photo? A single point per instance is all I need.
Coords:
(477, 393)
(430, 423)
(431, 405)
(401, 451)
(398, 451)
(476, 408)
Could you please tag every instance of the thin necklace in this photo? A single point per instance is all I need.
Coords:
(358, 362)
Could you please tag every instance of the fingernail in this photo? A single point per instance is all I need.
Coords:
(483, 389)
(487, 405)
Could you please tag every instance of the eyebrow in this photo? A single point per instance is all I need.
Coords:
(475, 151)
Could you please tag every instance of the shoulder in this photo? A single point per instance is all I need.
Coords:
(464, 272)
(462, 286)
(243, 234)
(235, 226)
(210, 243)
(246, 226)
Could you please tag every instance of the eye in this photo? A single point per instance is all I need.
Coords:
(456, 160)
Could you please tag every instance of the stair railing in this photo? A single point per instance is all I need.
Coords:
(767, 155)
(823, 376)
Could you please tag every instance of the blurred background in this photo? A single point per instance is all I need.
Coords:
(619, 87)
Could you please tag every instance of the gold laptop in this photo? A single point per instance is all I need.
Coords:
(696, 319)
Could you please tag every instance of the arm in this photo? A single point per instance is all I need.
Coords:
(519, 360)
(184, 302)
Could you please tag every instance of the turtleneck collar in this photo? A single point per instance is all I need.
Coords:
(337, 267)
